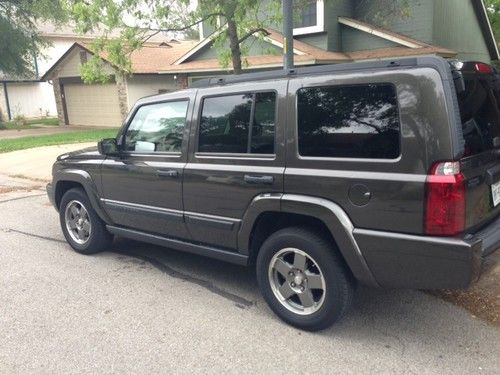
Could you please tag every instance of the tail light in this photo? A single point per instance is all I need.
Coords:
(483, 68)
(445, 200)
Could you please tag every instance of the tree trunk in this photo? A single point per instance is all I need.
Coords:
(234, 46)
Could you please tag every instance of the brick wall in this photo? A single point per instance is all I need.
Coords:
(182, 81)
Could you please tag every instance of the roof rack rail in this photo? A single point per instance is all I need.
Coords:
(310, 70)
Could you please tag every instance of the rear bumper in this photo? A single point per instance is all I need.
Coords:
(420, 262)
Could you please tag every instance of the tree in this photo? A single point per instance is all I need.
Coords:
(20, 41)
(493, 8)
(126, 25)
(382, 12)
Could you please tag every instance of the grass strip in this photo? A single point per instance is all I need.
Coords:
(7, 145)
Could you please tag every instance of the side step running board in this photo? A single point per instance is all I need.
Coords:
(175, 244)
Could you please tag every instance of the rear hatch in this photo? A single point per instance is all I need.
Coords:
(479, 102)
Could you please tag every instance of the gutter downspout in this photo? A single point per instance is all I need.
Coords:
(6, 93)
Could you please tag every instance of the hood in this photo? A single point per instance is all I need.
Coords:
(86, 153)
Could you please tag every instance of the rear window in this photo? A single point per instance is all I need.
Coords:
(359, 121)
(480, 112)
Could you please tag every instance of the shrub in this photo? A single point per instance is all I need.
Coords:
(20, 120)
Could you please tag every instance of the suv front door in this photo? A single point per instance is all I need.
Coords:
(142, 186)
(236, 153)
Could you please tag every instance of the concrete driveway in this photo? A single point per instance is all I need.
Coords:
(143, 309)
(36, 163)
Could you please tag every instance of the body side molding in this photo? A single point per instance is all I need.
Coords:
(164, 213)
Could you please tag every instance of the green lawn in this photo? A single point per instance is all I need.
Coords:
(7, 145)
(30, 124)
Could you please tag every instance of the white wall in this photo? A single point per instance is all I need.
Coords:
(31, 99)
(139, 86)
(3, 105)
(53, 53)
(34, 99)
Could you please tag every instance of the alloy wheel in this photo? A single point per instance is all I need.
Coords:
(77, 221)
(297, 281)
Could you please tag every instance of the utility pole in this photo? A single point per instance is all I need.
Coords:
(288, 34)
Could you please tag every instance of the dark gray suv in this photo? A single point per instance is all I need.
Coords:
(383, 173)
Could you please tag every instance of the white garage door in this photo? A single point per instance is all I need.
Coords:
(93, 105)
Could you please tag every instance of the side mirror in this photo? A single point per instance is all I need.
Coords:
(108, 146)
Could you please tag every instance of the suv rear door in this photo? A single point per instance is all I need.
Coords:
(236, 152)
(479, 106)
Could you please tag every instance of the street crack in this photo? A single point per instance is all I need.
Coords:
(239, 302)
(10, 230)
(24, 197)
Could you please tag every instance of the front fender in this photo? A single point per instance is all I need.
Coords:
(85, 179)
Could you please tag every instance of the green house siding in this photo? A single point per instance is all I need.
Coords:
(417, 25)
(316, 40)
(254, 46)
(451, 24)
(456, 27)
(333, 10)
(355, 40)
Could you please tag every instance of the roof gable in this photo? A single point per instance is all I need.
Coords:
(275, 39)
(149, 59)
(397, 43)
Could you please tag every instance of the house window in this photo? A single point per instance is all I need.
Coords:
(308, 16)
(83, 57)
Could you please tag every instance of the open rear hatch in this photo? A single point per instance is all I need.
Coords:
(479, 102)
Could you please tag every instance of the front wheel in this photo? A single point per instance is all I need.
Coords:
(81, 226)
(303, 279)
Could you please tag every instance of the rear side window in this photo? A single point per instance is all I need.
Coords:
(240, 124)
(359, 121)
(480, 111)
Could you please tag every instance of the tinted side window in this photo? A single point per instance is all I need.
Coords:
(224, 124)
(227, 126)
(157, 128)
(480, 110)
(349, 121)
(264, 123)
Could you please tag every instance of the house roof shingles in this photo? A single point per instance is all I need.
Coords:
(166, 57)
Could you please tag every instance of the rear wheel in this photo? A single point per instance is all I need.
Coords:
(303, 279)
(81, 226)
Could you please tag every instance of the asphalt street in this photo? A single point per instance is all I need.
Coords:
(143, 309)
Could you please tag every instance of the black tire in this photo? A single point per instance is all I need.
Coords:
(99, 238)
(340, 284)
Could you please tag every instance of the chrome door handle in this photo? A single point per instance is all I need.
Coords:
(265, 180)
(172, 173)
